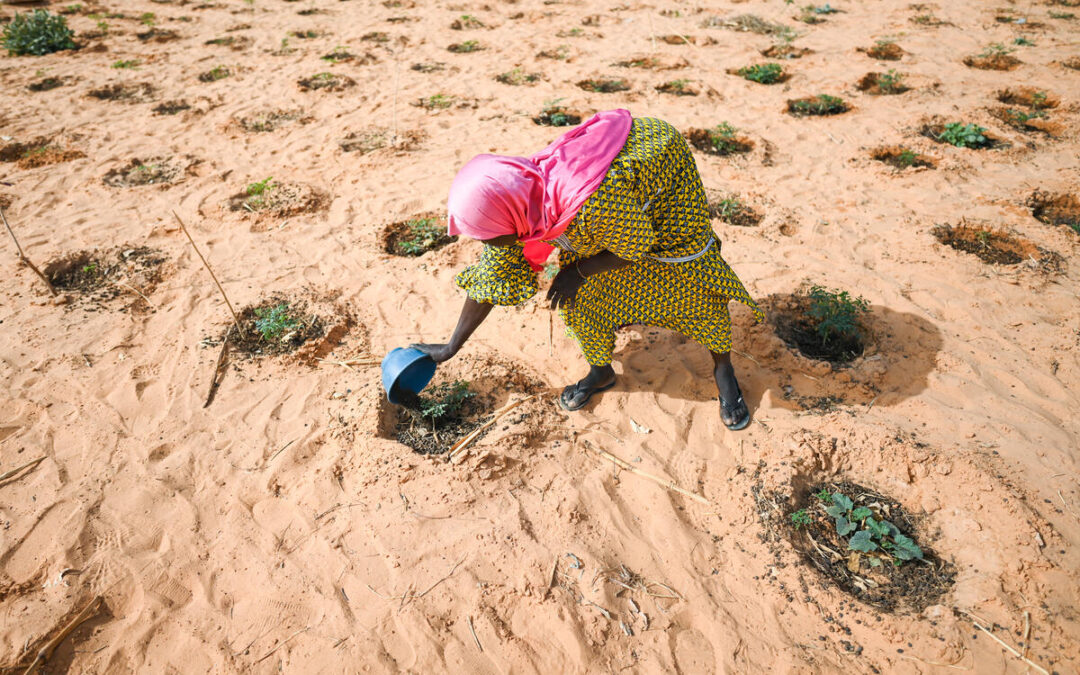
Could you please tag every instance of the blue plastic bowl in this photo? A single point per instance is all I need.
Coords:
(406, 369)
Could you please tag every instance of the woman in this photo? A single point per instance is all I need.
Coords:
(622, 200)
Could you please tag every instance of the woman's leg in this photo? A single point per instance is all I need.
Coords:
(733, 411)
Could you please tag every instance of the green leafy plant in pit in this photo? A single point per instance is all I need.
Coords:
(258, 192)
(437, 102)
(305, 34)
(1023, 42)
(555, 115)
(1022, 117)
(337, 56)
(995, 50)
(824, 495)
(420, 236)
(133, 63)
(274, 322)
(90, 269)
(835, 313)
(728, 207)
(823, 104)
(517, 77)
(963, 135)
(1039, 100)
(466, 21)
(214, 74)
(464, 47)
(891, 82)
(722, 138)
(763, 73)
(37, 33)
(444, 400)
(800, 518)
(906, 158)
(147, 19)
(867, 533)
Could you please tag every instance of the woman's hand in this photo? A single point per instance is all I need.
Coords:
(564, 288)
(438, 353)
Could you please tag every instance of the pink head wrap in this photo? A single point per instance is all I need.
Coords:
(535, 198)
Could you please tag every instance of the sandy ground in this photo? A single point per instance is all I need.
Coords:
(283, 528)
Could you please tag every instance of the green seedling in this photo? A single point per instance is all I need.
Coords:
(147, 19)
(37, 33)
(214, 74)
(466, 22)
(722, 138)
(444, 400)
(800, 518)
(308, 34)
(90, 269)
(261, 187)
(822, 104)
(337, 56)
(763, 73)
(1023, 42)
(71, 9)
(103, 27)
(963, 135)
(835, 313)
(868, 533)
(437, 102)
(134, 63)
(824, 495)
(1039, 100)
(517, 77)
(891, 82)
(421, 235)
(464, 47)
(1022, 117)
(273, 323)
(554, 114)
(907, 158)
(728, 207)
(995, 50)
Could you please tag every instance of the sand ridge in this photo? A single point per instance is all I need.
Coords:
(283, 528)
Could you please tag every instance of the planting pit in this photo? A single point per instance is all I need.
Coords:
(1029, 97)
(884, 51)
(722, 140)
(161, 170)
(41, 151)
(678, 88)
(1026, 120)
(275, 326)
(653, 63)
(882, 84)
(439, 417)
(1072, 63)
(416, 236)
(902, 158)
(1055, 209)
(46, 84)
(786, 51)
(158, 35)
(326, 82)
(819, 105)
(270, 120)
(558, 116)
(364, 142)
(279, 200)
(604, 86)
(135, 92)
(995, 247)
(934, 131)
(95, 277)
(873, 577)
(171, 107)
(992, 61)
(793, 324)
(234, 42)
(732, 210)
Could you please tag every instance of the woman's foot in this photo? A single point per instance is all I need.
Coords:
(735, 415)
(733, 411)
(575, 396)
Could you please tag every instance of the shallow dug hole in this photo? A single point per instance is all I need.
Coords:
(161, 170)
(994, 246)
(890, 577)
(1060, 209)
(278, 199)
(137, 92)
(277, 325)
(96, 277)
(902, 158)
(798, 328)
(417, 235)
(41, 151)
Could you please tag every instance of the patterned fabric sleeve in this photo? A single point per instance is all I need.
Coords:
(623, 224)
(501, 277)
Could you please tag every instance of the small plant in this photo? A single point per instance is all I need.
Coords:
(466, 22)
(437, 102)
(37, 33)
(763, 73)
(1039, 100)
(309, 34)
(868, 533)
(1020, 118)
(103, 27)
(71, 9)
(445, 400)
(604, 86)
(963, 135)
(464, 47)
(147, 19)
(1068, 16)
(835, 314)
(822, 104)
(273, 323)
(800, 518)
(995, 50)
(891, 82)
(824, 495)
(907, 158)
(214, 74)
(420, 236)
(517, 77)
(90, 269)
(727, 207)
(258, 192)
(134, 63)
(1023, 42)
(560, 53)
(554, 114)
(337, 56)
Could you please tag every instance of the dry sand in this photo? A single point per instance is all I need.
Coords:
(284, 528)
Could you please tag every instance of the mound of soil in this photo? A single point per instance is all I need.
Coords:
(994, 246)
(706, 141)
(302, 327)
(654, 63)
(269, 120)
(96, 277)
(435, 437)
(154, 171)
(416, 236)
(902, 158)
(46, 84)
(793, 324)
(41, 151)
(326, 81)
(911, 586)
(1060, 209)
(732, 210)
(819, 105)
(884, 51)
(604, 86)
(281, 201)
(786, 51)
(678, 88)
(992, 62)
(135, 92)
(872, 83)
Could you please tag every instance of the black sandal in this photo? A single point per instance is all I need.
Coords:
(575, 389)
(742, 419)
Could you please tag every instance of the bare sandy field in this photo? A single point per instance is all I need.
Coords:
(284, 528)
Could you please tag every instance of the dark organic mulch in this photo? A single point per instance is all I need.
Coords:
(171, 107)
(910, 587)
(253, 344)
(138, 92)
(46, 83)
(604, 86)
(995, 62)
(994, 246)
(427, 438)
(795, 327)
(97, 277)
(1060, 209)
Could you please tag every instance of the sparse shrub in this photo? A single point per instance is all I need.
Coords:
(37, 33)
(273, 323)
(835, 314)
(822, 104)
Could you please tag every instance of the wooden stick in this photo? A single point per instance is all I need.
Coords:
(473, 631)
(464, 443)
(236, 319)
(22, 256)
(136, 292)
(8, 474)
(46, 652)
(1005, 645)
(217, 368)
(645, 474)
(282, 644)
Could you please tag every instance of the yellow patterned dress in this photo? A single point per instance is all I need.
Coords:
(650, 209)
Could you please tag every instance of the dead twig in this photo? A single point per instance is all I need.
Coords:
(626, 466)
(22, 256)
(136, 292)
(46, 652)
(464, 443)
(282, 644)
(475, 639)
(8, 474)
(236, 319)
(214, 382)
(1004, 644)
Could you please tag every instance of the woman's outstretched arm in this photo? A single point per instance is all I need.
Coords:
(473, 314)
